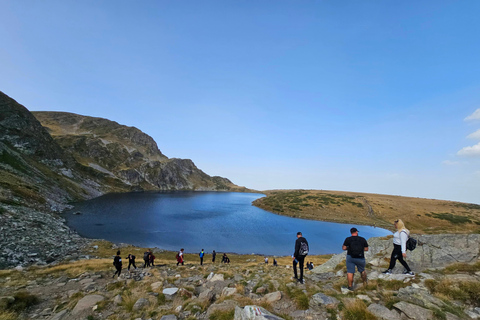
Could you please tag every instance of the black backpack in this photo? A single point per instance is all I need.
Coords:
(411, 244)
(303, 251)
(146, 255)
(356, 248)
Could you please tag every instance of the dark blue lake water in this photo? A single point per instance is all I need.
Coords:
(221, 221)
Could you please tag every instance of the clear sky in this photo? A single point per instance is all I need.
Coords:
(368, 96)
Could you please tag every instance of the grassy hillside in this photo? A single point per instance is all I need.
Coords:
(420, 215)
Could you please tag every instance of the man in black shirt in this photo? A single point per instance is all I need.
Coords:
(355, 246)
(301, 251)
(117, 262)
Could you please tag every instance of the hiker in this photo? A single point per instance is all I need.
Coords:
(131, 261)
(225, 258)
(399, 248)
(180, 257)
(275, 262)
(201, 254)
(308, 265)
(214, 254)
(117, 263)
(356, 247)
(152, 259)
(146, 259)
(266, 260)
(311, 265)
(301, 251)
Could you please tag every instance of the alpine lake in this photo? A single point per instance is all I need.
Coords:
(220, 221)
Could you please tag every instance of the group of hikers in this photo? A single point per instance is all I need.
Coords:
(355, 245)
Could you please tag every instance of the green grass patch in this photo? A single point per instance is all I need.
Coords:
(22, 301)
(453, 218)
(222, 315)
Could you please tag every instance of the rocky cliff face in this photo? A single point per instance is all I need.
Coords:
(125, 153)
(64, 157)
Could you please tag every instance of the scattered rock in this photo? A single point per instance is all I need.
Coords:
(140, 304)
(320, 299)
(156, 285)
(272, 297)
(364, 297)
(169, 292)
(118, 299)
(382, 312)
(254, 313)
(86, 303)
(59, 316)
(412, 311)
(260, 290)
(228, 291)
(217, 277)
(169, 317)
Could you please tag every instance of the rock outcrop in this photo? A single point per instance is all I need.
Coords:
(432, 251)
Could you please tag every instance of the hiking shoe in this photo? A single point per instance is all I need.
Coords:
(410, 273)
(388, 271)
(301, 281)
(294, 278)
(350, 288)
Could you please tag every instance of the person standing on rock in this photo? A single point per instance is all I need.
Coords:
(399, 248)
(214, 254)
(117, 263)
(266, 260)
(356, 247)
(201, 254)
(131, 261)
(180, 257)
(301, 251)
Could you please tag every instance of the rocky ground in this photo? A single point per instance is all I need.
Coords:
(245, 289)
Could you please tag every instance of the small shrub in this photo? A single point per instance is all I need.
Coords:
(222, 315)
(23, 300)
(462, 267)
(357, 310)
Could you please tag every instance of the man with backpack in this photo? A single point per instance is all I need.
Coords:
(301, 251)
(356, 247)
(131, 261)
(117, 263)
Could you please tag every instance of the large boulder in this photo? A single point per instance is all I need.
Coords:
(382, 312)
(86, 303)
(254, 313)
(413, 312)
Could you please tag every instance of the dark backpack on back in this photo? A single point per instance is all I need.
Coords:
(146, 256)
(303, 251)
(356, 248)
(411, 244)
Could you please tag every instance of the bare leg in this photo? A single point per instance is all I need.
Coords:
(364, 278)
(350, 279)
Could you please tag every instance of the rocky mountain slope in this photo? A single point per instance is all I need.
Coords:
(125, 153)
(71, 158)
(247, 288)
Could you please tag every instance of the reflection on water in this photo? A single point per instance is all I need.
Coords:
(221, 221)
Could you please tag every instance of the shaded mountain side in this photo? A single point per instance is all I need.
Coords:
(34, 169)
(126, 153)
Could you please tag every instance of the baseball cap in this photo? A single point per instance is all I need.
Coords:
(353, 230)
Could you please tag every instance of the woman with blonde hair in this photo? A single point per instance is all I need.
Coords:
(399, 248)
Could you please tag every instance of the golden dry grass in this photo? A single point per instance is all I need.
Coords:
(420, 215)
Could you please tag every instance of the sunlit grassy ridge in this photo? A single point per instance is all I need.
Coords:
(420, 215)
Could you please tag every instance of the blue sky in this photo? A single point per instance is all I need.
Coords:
(368, 96)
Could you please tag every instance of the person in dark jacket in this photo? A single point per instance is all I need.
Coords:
(131, 261)
(117, 263)
(301, 251)
(146, 258)
(214, 254)
(152, 259)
